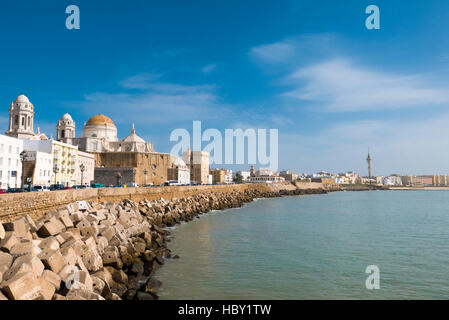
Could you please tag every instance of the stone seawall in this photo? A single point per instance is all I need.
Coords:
(108, 250)
(36, 204)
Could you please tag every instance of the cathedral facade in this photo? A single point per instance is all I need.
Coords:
(100, 135)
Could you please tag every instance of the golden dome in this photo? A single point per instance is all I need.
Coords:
(101, 120)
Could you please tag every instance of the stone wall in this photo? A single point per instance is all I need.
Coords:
(36, 204)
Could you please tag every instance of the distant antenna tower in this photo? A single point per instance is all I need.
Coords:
(368, 159)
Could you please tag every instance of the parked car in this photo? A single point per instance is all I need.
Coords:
(54, 187)
(3, 191)
(172, 183)
(14, 190)
(148, 185)
(97, 186)
(42, 188)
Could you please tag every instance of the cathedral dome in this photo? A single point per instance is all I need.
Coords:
(22, 99)
(100, 119)
(67, 117)
(177, 162)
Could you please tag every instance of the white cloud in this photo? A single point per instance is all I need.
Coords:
(157, 102)
(275, 52)
(397, 146)
(338, 85)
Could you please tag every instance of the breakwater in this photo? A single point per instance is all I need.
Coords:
(109, 249)
(37, 204)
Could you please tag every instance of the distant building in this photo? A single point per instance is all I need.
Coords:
(133, 167)
(85, 168)
(64, 159)
(10, 164)
(391, 181)
(289, 175)
(265, 172)
(245, 175)
(198, 163)
(266, 179)
(179, 171)
(221, 176)
(406, 180)
(422, 180)
(218, 176)
(38, 168)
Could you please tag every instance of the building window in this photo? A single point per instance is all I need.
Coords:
(23, 121)
(10, 149)
(16, 120)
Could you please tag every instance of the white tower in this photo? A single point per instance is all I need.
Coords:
(65, 130)
(21, 118)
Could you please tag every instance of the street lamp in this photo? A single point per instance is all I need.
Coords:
(119, 179)
(82, 169)
(55, 170)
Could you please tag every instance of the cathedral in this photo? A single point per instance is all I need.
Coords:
(100, 135)
(131, 160)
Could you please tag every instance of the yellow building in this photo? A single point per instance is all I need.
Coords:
(63, 155)
(218, 176)
(64, 163)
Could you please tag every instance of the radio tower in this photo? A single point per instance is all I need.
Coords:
(368, 159)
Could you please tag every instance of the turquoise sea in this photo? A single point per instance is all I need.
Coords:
(315, 247)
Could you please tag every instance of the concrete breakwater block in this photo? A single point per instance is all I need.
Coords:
(100, 251)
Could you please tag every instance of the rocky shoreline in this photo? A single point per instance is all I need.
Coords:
(103, 251)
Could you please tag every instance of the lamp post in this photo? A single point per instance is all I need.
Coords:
(119, 179)
(23, 157)
(82, 169)
(55, 170)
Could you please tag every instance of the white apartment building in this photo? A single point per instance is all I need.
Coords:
(64, 157)
(228, 177)
(245, 175)
(85, 168)
(42, 163)
(10, 164)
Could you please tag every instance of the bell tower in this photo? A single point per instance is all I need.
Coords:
(21, 118)
(65, 130)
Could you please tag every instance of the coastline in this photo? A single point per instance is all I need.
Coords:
(114, 247)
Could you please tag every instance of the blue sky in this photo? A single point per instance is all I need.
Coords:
(308, 68)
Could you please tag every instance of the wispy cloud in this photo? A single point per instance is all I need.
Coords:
(157, 102)
(339, 85)
(275, 52)
(297, 50)
(209, 68)
(397, 146)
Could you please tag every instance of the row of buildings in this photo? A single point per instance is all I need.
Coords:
(30, 158)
